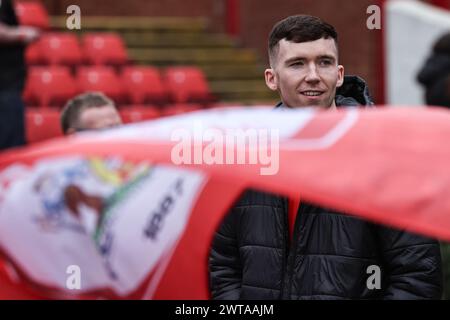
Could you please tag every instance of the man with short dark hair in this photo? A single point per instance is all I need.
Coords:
(89, 111)
(269, 247)
(304, 69)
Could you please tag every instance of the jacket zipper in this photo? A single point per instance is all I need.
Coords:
(293, 245)
(285, 246)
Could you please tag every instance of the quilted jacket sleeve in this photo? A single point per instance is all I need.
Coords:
(412, 265)
(225, 270)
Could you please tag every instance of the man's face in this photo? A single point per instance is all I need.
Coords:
(99, 118)
(306, 74)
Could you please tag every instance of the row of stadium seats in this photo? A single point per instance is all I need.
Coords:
(64, 48)
(61, 66)
(42, 124)
(54, 85)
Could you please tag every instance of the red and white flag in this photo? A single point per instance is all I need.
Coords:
(133, 210)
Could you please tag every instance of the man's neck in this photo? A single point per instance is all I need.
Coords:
(333, 105)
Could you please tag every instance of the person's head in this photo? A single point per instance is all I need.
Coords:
(303, 56)
(435, 73)
(89, 111)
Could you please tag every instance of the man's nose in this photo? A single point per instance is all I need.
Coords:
(312, 74)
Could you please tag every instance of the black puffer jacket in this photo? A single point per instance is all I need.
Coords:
(251, 257)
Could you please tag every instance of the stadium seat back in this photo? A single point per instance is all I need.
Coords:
(143, 85)
(32, 13)
(33, 55)
(187, 84)
(103, 79)
(49, 86)
(42, 124)
(104, 49)
(60, 49)
(139, 113)
(180, 108)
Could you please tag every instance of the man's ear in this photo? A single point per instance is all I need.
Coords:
(340, 76)
(270, 77)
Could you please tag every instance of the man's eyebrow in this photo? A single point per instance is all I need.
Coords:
(294, 59)
(300, 58)
(326, 56)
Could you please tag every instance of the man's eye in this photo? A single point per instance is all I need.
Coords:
(325, 62)
(297, 64)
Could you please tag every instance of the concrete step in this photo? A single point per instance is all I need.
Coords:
(240, 85)
(176, 40)
(160, 57)
(117, 24)
(234, 72)
(242, 89)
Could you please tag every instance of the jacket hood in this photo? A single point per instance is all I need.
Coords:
(353, 92)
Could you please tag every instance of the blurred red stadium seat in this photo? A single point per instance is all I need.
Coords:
(188, 85)
(32, 13)
(49, 86)
(33, 54)
(139, 113)
(104, 48)
(227, 105)
(180, 108)
(60, 48)
(103, 79)
(42, 124)
(143, 84)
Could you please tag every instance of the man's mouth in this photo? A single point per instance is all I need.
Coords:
(311, 93)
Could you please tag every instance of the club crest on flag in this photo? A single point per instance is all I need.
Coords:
(87, 211)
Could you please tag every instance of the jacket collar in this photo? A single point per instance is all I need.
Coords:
(353, 93)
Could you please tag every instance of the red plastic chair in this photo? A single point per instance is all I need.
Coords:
(60, 48)
(180, 108)
(33, 55)
(32, 13)
(104, 48)
(42, 124)
(101, 78)
(49, 86)
(228, 105)
(137, 113)
(143, 85)
(188, 84)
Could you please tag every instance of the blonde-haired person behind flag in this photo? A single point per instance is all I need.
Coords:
(89, 111)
